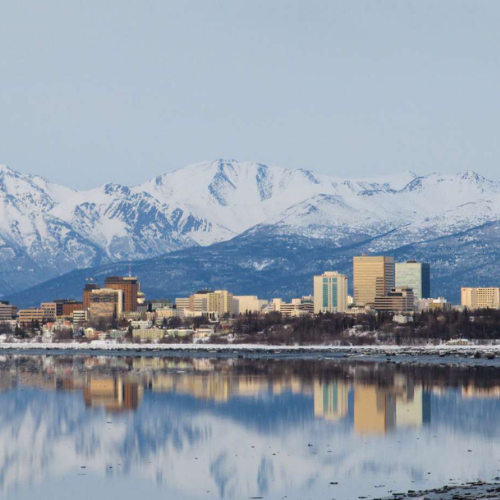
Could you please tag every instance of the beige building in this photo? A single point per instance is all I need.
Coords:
(168, 312)
(49, 310)
(250, 303)
(198, 303)
(201, 303)
(26, 316)
(182, 304)
(398, 300)
(480, 298)
(220, 302)
(149, 334)
(79, 317)
(295, 308)
(373, 276)
(330, 292)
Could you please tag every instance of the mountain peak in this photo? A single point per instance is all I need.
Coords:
(5, 169)
(471, 175)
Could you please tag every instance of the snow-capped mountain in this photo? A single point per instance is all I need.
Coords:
(47, 230)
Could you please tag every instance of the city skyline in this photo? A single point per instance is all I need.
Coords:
(119, 310)
(249, 249)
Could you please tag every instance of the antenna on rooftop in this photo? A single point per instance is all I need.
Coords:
(129, 270)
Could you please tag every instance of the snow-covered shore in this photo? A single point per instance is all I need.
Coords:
(487, 351)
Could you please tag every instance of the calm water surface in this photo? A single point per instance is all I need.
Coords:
(193, 428)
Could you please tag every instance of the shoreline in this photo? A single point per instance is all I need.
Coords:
(442, 352)
(472, 490)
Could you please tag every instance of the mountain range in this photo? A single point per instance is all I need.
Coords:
(252, 228)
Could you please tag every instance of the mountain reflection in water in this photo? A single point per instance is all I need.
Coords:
(239, 428)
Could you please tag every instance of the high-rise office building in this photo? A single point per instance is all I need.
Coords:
(330, 293)
(480, 298)
(87, 291)
(106, 303)
(414, 275)
(373, 276)
(129, 286)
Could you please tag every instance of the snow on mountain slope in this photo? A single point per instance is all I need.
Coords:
(47, 229)
(427, 207)
(240, 195)
(330, 217)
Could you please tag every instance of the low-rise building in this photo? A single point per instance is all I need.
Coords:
(439, 304)
(354, 310)
(204, 332)
(28, 316)
(149, 334)
(49, 310)
(6, 311)
(248, 303)
(295, 308)
(167, 312)
(480, 298)
(141, 324)
(132, 316)
(90, 333)
(117, 334)
(80, 317)
(180, 332)
(402, 319)
(65, 307)
(156, 304)
(398, 300)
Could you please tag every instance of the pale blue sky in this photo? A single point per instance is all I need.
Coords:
(123, 90)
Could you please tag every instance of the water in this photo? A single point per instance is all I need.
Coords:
(193, 428)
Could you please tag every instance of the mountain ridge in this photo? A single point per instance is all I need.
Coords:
(47, 230)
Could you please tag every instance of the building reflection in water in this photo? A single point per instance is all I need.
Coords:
(114, 394)
(375, 399)
(331, 400)
(481, 393)
(378, 410)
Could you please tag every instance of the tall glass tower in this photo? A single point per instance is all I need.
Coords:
(416, 275)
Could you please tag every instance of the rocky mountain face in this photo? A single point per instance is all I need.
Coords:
(253, 228)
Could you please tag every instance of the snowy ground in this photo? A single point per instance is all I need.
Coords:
(478, 351)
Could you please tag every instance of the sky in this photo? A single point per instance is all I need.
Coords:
(124, 90)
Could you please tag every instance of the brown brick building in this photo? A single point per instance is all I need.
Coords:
(130, 288)
(65, 307)
(87, 292)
